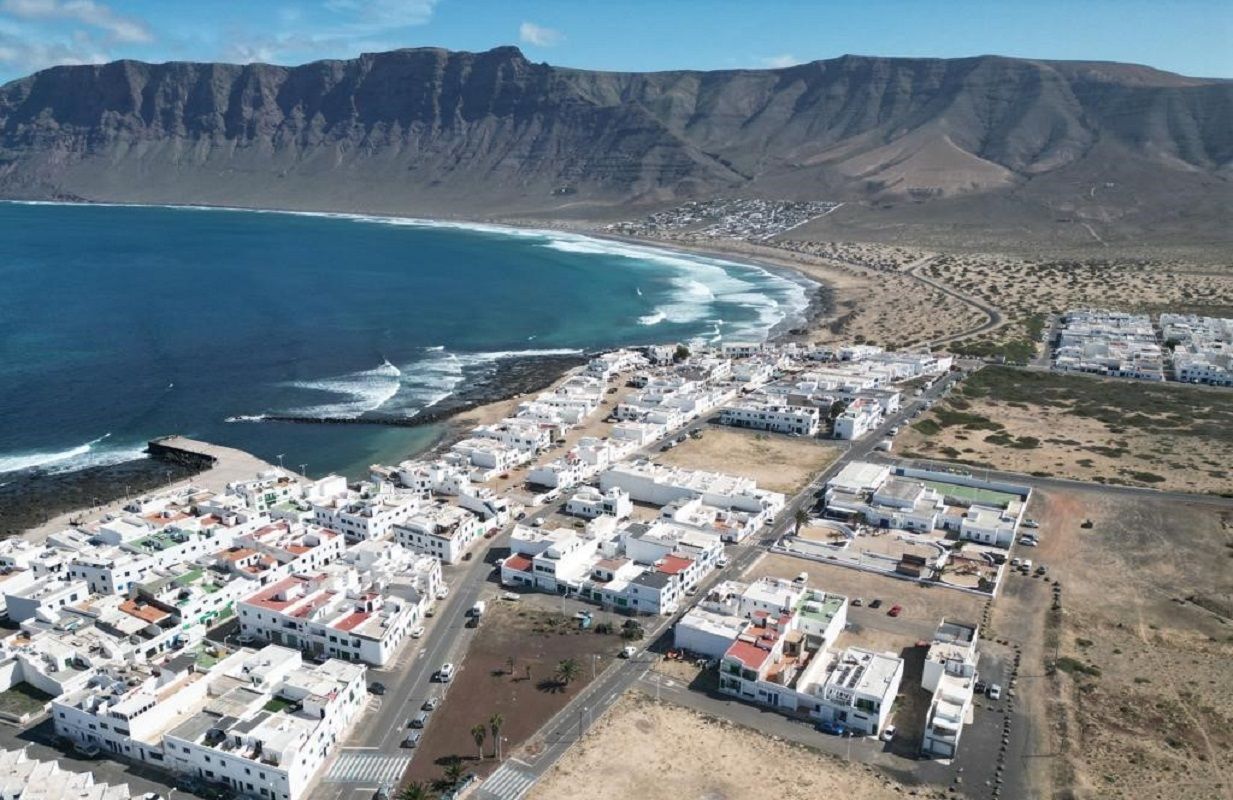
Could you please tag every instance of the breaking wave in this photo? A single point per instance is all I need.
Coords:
(404, 390)
(90, 454)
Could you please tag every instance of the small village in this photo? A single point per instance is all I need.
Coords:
(236, 638)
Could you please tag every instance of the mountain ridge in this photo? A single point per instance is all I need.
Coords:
(433, 131)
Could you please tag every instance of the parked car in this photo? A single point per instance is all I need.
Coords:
(888, 733)
(443, 592)
(446, 673)
(994, 691)
(511, 596)
(895, 610)
(721, 562)
(419, 720)
(1027, 541)
(628, 651)
(981, 687)
(875, 602)
(430, 704)
(376, 688)
(1031, 523)
(801, 578)
(417, 631)
(1014, 562)
(833, 728)
(413, 739)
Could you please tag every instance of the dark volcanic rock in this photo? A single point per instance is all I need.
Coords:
(428, 131)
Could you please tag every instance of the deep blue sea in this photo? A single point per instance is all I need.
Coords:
(121, 323)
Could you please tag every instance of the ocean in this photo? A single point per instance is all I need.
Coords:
(122, 323)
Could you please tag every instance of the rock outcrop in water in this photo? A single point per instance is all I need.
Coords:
(428, 131)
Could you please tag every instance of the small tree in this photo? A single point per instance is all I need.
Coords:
(567, 670)
(494, 725)
(681, 353)
(800, 519)
(414, 791)
(479, 733)
(453, 771)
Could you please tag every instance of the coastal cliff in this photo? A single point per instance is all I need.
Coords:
(429, 131)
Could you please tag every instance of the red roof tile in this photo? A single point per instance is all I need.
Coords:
(674, 565)
(518, 563)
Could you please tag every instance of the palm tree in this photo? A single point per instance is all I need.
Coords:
(567, 670)
(800, 519)
(414, 791)
(494, 725)
(478, 733)
(453, 771)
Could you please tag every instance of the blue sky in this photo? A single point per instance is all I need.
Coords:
(1194, 37)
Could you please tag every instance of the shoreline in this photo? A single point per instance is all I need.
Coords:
(514, 381)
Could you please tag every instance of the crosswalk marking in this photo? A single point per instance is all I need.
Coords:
(366, 766)
(506, 783)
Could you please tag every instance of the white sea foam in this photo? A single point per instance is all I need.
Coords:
(652, 319)
(401, 391)
(354, 394)
(90, 454)
(246, 418)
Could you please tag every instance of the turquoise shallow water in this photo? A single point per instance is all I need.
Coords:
(121, 323)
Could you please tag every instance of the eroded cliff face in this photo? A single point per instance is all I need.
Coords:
(428, 130)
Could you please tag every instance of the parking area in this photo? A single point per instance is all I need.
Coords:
(512, 669)
(37, 739)
(922, 606)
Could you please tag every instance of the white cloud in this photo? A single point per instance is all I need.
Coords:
(538, 35)
(87, 12)
(24, 54)
(377, 15)
(780, 61)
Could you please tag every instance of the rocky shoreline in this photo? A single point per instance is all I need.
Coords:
(31, 498)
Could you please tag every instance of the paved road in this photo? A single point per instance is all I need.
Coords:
(995, 319)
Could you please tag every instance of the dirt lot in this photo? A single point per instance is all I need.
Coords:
(777, 462)
(650, 751)
(923, 606)
(1140, 704)
(1167, 436)
(538, 641)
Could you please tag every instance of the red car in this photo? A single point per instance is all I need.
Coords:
(894, 610)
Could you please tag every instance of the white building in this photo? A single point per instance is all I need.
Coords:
(659, 485)
(798, 420)
(44, 597)
(329, 616)
(589, 503)
(268, 725)
(950, 675)
(862, 415)
(370, 513)
(444, 531)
